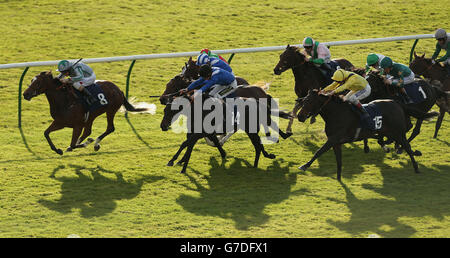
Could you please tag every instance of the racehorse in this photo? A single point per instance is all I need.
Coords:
(438, 75)
(67, 110)
(248, 91)
(171, 113)
(190, 72)
(381, 90)
(307, 75)
(342, 124)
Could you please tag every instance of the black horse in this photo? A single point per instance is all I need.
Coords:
(307, 75)
(381, 90)
(342, 124)
(193, 116)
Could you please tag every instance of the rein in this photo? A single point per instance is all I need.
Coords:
(323, 105)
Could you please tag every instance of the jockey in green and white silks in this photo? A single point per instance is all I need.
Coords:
(397, 75)
(320, 54)
(374, 60)
(443, 43)
(81, 76)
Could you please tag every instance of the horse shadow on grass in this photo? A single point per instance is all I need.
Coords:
(93, 193)
(354, 159)
(406, 196)
(239, 192)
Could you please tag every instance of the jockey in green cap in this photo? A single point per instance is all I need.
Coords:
(320, 54)
(374, 60)
(443, 43)
(81, 76)
(397, 75)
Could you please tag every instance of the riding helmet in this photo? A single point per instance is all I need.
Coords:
(386, 62)
(308, 42)
(440, 34)
(202, 59)
(205, 71)
(64, 65)
(372, 59)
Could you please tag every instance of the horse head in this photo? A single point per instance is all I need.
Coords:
(311, 105)
(174, 85)
(290, 58)
(173, 110)
(420, 64)
(40, 84)
(190, 70)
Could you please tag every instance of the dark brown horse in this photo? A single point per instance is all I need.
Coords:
(67, 110)
(342, 124)
(190, 72)
(173, 110)
(434, 95)
(307, 76)
(437, 75)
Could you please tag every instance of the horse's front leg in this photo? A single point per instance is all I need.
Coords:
(53, 127)
(293, 115)
(75, 135)
(318, 153)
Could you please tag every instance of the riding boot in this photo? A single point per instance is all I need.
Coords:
(365, 117)
(88, 96)
(406, 98)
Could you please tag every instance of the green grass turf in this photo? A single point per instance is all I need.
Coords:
(125, 189)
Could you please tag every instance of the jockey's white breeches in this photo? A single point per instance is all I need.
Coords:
(84, 82)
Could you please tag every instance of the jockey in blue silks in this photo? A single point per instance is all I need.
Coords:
(203, 59)
(217, 82)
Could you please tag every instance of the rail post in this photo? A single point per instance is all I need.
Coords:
(19, 108)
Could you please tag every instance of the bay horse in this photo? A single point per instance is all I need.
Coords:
(342, 123)
(438, 76)
(306, 74)
(67, 110)
(171, 113)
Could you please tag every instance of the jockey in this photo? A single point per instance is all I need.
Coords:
(81, 76)
(320, 54)
(203, 59)
(217, 82)
(211, 54)
(358, 86)
(443, 42)
(397, 75)
(374, 60)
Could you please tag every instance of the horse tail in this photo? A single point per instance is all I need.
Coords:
(419, 114)
(141, 107)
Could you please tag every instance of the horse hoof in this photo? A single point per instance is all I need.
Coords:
(288, 135)
(170, 164)
(179, 163)
(271, 156)
(312, 120)
(59, 151)
(304, 167)
(97, 147)
(183, 171)
(417, 153)
(366, 150)
(399, 151)
(69, 149)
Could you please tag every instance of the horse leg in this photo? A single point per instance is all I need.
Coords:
(338, 153)
(53, 127)
(318, 153)
(439, 121)
(256, 141)
(175, 157)
(75, 135)
(110, 128)
(405, 144)
(275, 127)
(86, 132)
(366, 146)
(187, 155)
(416, 130)
(214, 139)
(294, 114)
